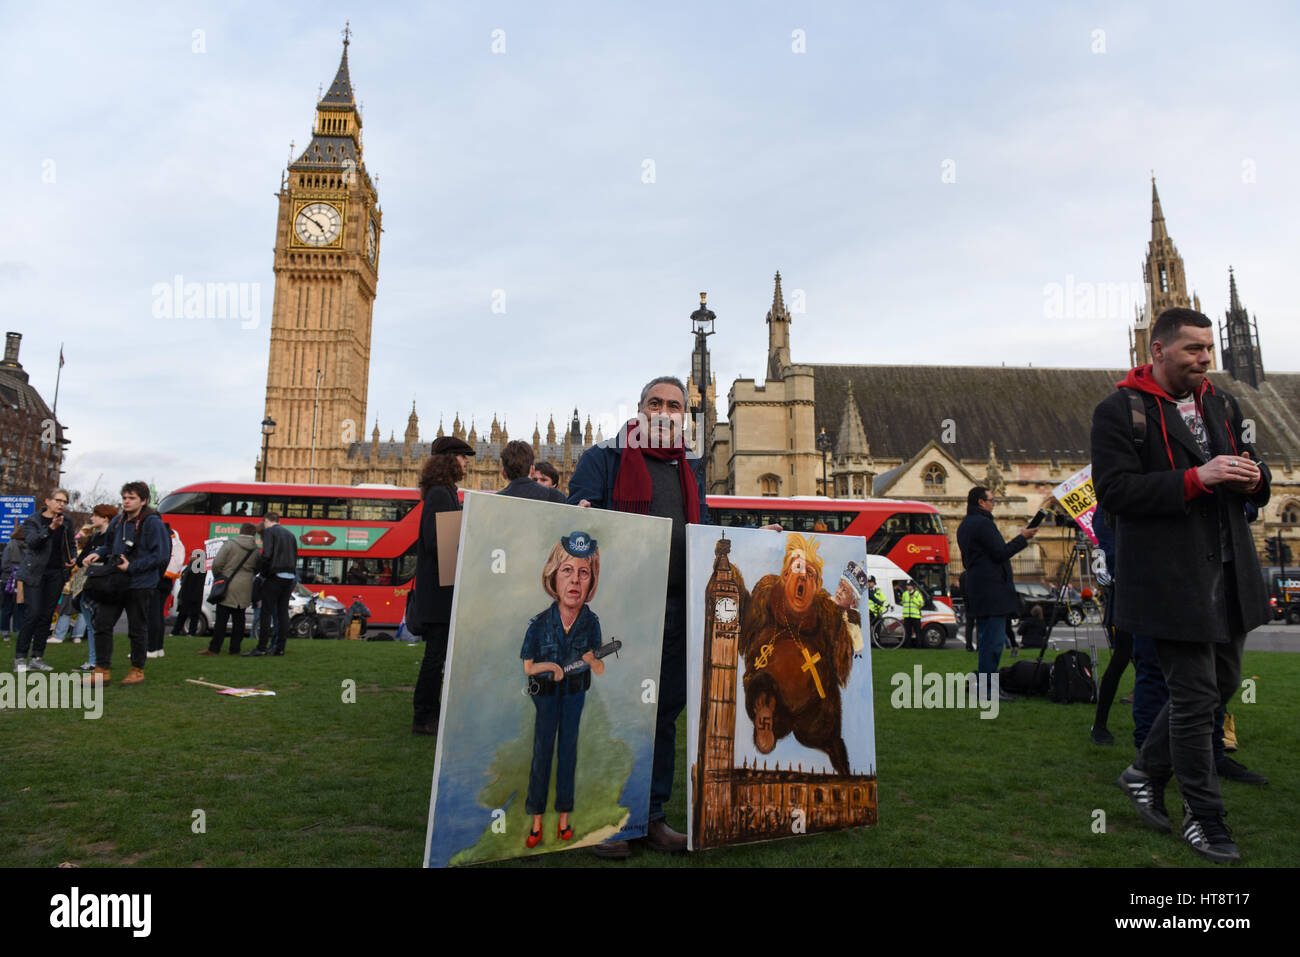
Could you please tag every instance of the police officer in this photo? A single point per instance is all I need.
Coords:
(876, 598)
(912, 603)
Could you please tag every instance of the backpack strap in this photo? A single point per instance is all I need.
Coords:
(1139, 413)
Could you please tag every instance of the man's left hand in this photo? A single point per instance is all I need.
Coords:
(123, 564)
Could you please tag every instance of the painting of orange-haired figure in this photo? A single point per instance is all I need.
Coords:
(798, 652)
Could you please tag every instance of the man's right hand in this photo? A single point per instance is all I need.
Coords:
(556, 671)
(1234, 470)
(1028, 532)
(90, 559)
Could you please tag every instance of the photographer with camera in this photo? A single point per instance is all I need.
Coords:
(43, 571)
(138, 546)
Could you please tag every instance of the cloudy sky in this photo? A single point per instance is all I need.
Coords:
(923, 175)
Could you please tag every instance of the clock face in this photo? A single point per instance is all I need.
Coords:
(371, 239)
(318, 224)
(726, 610)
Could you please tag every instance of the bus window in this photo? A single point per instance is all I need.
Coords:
(896, 524)
(405, 569)
(379, 510)
(185, 503)
(297, 508)
(241, 506)
(926, 524)
(314, 570)
(930, 576)
(333, 508)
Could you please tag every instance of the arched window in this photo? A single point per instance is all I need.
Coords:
(935, 478)
(1291, 513)
(769, 484)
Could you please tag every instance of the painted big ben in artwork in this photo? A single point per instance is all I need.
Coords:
(327, 245)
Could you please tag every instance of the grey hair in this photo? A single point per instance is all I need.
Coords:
(670, 380)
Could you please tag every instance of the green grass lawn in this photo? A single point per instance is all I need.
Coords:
(305, 779)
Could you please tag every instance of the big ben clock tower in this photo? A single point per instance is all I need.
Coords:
(326, 269)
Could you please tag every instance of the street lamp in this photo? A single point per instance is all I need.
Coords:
(825, 445)
(268, 429)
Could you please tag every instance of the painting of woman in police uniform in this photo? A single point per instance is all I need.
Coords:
(547, 745)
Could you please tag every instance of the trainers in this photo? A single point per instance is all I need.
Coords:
(38, 664)
(20, 665)
(1148, 797)
(1230, 770)
(1101, 735)
(86, 667)
(1209, 836)
(52, 640)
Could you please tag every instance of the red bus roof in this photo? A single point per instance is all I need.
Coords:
(814, 502)
(318, 491)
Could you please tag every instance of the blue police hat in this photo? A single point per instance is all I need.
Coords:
(579, 544)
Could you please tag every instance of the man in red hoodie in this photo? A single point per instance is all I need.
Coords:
(1172, 467)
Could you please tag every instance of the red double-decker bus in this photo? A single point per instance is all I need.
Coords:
(352, 539)
(909, 534)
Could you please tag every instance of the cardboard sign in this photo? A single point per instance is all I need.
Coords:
(1078, 497)
(448, 526)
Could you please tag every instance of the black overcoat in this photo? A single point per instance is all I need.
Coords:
(432, 600)
(1169, 570)
(990, 589)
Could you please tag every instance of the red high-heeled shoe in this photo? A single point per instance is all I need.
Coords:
(564, 833)
(534, 838)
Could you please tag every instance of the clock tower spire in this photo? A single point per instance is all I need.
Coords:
(326, 272)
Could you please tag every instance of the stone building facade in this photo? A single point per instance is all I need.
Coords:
(931, 433)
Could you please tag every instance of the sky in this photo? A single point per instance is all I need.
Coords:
(929, 179)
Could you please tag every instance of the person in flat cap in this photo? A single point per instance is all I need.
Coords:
(848, 594)
(559, 656)
(429, 613)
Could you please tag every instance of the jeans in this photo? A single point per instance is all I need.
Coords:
(672, 699)
(992, 635)
(1202, 677)
(1150, 693)
(41, 602)
(562, 713)
(428, 687)
(88, 608)
(137, 603)
(65, 622)
(157, 627)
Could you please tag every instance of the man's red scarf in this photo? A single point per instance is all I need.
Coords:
(633, 488)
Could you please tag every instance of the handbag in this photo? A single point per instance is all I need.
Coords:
(106, 583)
(217, 593)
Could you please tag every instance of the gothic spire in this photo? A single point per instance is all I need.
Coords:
(1158, 230)
(340, 91)
(778, 310)
(1233, 302)
(852, 436)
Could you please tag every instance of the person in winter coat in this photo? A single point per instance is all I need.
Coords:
(990, 590)
(1172, 467)
(11, 612)
(189, 600)
(100, 517)
(238, 559)
(46, 562)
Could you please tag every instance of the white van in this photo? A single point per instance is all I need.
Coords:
(938, 623)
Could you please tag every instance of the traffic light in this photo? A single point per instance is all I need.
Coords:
(1270, 550)
(1286, 554)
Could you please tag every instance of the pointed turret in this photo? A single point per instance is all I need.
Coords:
(441, 434)
(336, 136)
(586, 433)
(852, 436)
(778, 332)
(537, 440)
(550, 431)
(1239, 340)
(575, 429)
(458, 428)
(1158, 231)
(340, 91)
(473, 435)
(505, 436)
(1162, 274)
(412, 436)
(495, 432)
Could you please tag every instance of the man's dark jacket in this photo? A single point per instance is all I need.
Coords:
(143, 541)
(594, 477)
(527, 488)
(433, 601)
(990, 589)
(279, 551)
(1169, 572)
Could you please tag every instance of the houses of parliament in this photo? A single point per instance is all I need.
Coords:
(927, 433)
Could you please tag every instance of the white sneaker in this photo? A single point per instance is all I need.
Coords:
(53, 641)
(38, 664)
(20, 665)
(162, 653)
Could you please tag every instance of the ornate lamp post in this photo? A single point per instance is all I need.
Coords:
(268, 429)
(825, 445)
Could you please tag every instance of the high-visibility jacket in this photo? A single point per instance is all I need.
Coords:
(877, 602)
(912, 603)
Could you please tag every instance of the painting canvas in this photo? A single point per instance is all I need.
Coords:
(780, 721)
(576, 595)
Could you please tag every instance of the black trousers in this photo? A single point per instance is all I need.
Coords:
(428, 687)
(672, 699)
(1202, 677)
(138, 605)
(911, 632)
(276, 593)
(40, 602)
(236, 617)
(1119, 659)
